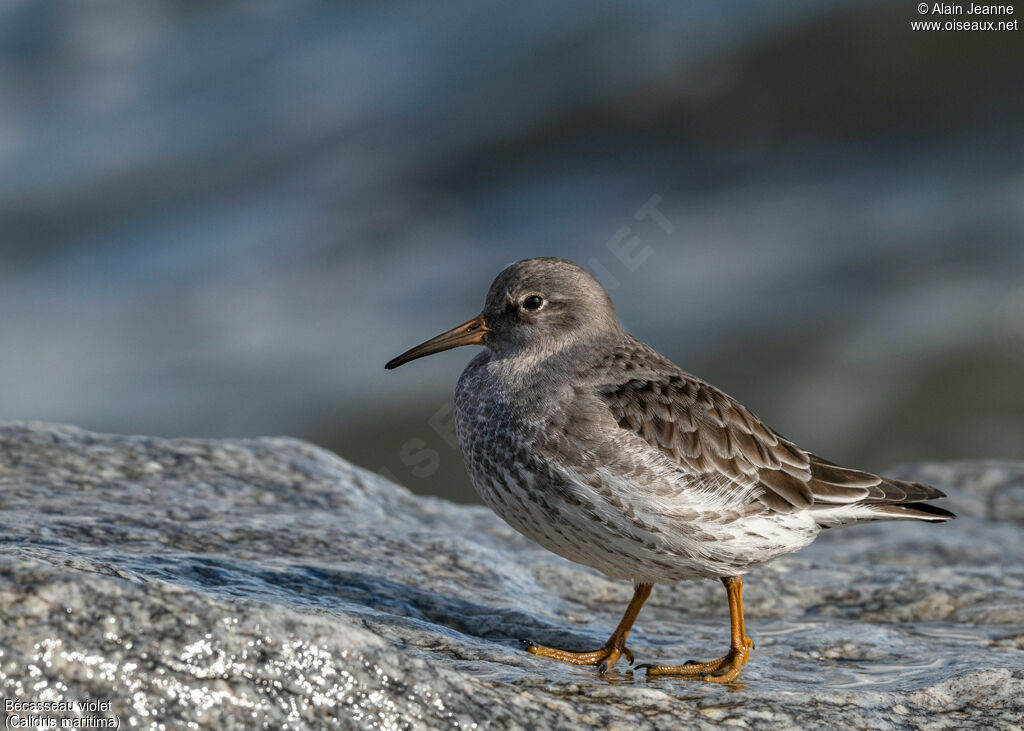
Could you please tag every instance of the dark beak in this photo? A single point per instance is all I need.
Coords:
(468, 333)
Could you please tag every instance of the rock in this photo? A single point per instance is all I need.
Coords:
(267, 583)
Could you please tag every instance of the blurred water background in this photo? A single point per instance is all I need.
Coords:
(222, 218)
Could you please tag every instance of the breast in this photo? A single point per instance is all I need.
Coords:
(510, 478)
(540, 500)
(491, 440)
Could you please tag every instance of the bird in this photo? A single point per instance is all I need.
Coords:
(592, 444)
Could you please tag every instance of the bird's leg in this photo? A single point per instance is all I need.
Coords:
(607, 656)
(725, 669)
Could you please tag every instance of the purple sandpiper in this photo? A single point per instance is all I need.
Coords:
(603, 451)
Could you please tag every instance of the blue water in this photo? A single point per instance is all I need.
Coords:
(223, 219)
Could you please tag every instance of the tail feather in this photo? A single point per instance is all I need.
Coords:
(888, 500)
(901, 491)
(913, 511)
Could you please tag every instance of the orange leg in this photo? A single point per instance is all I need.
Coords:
(607, 656)
(727, 668)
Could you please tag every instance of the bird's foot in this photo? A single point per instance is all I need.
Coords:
(604, 659)
(723, 670)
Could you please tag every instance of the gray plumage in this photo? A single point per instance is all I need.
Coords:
(600, 449)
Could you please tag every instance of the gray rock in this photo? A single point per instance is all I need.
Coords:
(267, 583)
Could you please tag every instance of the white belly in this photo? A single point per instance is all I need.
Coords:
(580, 524)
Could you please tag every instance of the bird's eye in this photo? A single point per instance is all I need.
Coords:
(533, 302)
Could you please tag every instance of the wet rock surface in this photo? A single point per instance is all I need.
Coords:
(268, 583)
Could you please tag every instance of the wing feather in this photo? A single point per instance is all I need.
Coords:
(709, 433)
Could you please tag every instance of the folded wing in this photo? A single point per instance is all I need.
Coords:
(709, 433)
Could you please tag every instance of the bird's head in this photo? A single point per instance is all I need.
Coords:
(535, 307)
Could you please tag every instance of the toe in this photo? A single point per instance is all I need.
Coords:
(727, 672)
(608, 662)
